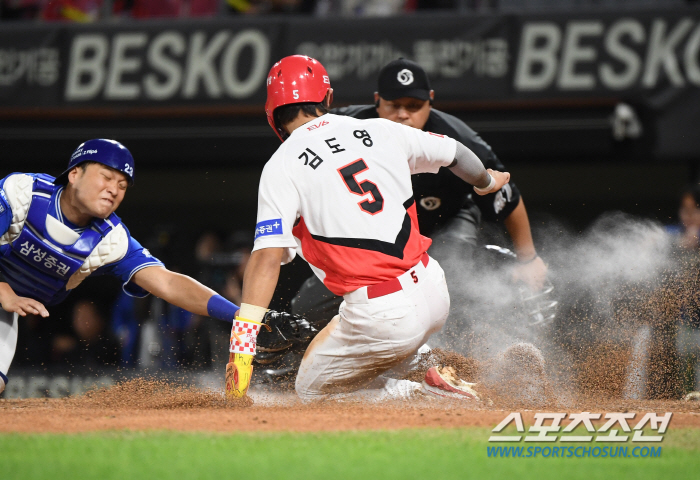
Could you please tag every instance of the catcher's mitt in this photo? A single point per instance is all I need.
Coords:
(283, 331)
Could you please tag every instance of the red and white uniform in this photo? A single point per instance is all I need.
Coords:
(338, 192)
(329, 214)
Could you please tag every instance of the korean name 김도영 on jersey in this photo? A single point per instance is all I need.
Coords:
(338, 192)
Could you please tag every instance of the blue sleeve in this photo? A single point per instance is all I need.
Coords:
(136, 258)
(5, 210)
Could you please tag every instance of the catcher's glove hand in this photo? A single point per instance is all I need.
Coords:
(281, 332)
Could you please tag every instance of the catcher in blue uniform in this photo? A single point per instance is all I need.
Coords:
(55, 232)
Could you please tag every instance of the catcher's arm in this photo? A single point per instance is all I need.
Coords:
(184, 292)
(531, 269)
(175, 288)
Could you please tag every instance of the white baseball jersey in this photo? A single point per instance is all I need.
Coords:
(338, 192)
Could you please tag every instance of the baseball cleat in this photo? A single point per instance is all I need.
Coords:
(443, 381)
(692, 397)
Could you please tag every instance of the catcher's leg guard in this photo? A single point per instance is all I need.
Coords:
(244, 334)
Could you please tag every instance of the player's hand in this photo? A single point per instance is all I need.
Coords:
(22, 306)
(532, 273)
(500, 179)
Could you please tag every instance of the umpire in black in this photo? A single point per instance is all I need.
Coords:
(447, 211)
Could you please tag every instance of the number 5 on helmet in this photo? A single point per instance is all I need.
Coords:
(295, 79)
(244, 334)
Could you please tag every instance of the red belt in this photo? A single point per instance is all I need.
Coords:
(390, 286)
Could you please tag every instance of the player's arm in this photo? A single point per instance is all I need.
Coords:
(469, 168)
(259, 282)
(427, 152)
(278, 210)
(531, 268)
(184, 292)
(260, 277)
(278, 207)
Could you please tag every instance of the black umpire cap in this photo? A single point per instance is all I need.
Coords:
(403, 78)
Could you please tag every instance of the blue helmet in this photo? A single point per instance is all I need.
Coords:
(107, 152)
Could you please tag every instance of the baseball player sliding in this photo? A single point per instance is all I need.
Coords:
(338, 192)
(55, 232)
(448, 212)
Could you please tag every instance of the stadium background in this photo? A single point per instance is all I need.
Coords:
(550, 85)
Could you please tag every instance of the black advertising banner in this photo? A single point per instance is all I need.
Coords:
(466, 58)
(643, 57)
(31, 66)
(623, 55)
(139, 64)
(649, 60)
(225, 63)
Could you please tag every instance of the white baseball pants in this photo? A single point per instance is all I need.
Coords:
(371, 336)
(8, 342)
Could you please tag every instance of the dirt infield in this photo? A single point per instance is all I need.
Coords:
(149, 405)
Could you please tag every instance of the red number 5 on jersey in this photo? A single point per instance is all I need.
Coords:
(348, 173)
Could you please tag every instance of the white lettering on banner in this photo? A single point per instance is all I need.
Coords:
(452, 58)
(361, 59)
(37, 66)
(616, 48)
(661, 52)
(132, 65)
(621, 55)
(691, 57)
(87, 56)
(166, 67)
(543, 57)
(55, 386)
(486, 57)
(574, 53)
(200, 64)
(120, 64)
(258, 42)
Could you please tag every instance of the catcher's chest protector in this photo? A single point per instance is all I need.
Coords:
(43, 259)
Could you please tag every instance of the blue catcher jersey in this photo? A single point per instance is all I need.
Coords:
(44, 256)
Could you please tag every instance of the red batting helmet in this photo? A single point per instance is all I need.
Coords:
(294, 79)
